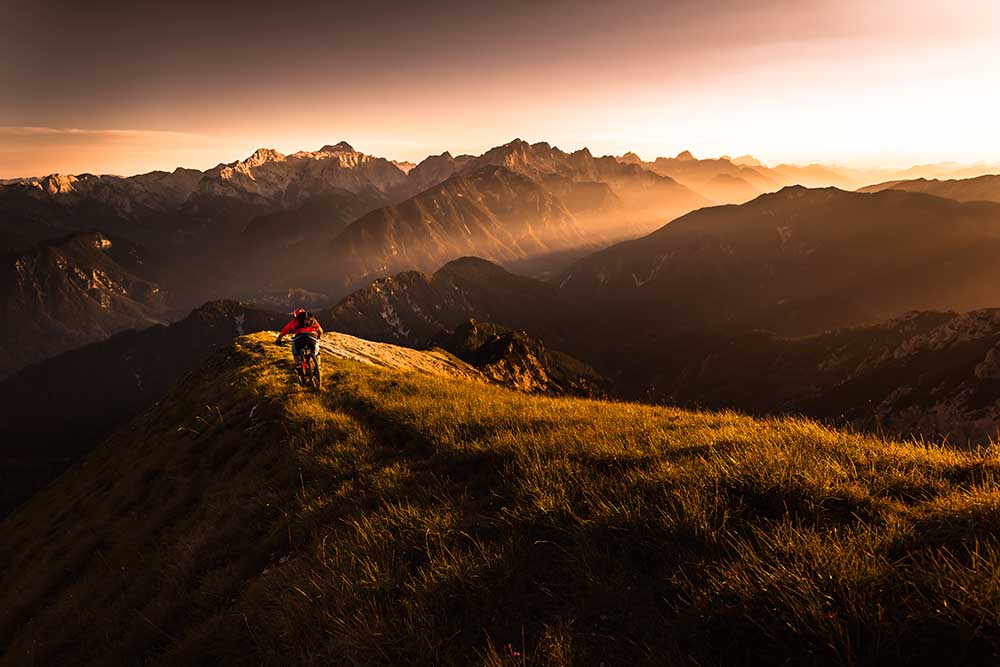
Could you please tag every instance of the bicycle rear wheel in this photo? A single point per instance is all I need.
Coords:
(315, 377)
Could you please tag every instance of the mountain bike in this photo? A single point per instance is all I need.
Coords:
(307, 371)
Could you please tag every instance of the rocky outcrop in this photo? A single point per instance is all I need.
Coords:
(516, 360)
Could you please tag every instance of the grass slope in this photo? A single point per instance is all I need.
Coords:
(401, 518)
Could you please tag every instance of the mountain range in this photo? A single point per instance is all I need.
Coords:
(720, 300)
(798, 261)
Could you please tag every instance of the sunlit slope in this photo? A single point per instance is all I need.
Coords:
(407, 517)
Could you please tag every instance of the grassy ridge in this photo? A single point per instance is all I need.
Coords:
(406, 519)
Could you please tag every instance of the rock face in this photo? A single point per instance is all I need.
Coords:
(71, 292)
(942, 383)
(928, 374)
(989, 367)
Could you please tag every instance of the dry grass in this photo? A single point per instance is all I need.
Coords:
(405, 519)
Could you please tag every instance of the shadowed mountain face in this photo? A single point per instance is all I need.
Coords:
(981, 188)
(55, 411)
(928, 374)
(411, 308)
(491, 211)
(63, 294)
(797, 262)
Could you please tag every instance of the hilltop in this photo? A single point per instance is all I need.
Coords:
(423, 517)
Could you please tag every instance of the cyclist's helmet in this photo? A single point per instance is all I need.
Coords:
(299, 311)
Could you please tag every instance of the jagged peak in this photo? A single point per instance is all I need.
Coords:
(57, 183)
(685, 156)
(436, 158)
(510, 146)
(262, 155)
(747, 161)
(340, 147)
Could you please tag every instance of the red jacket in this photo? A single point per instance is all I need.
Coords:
(311, 327)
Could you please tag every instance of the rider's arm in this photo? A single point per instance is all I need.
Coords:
(287, 330)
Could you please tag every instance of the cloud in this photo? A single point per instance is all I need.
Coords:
(34, 150)
(76, 135)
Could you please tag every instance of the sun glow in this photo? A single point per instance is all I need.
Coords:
(872, 82)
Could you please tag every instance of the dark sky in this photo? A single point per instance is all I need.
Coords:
(127, 86)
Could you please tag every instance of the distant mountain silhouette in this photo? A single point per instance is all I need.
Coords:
(610, 198)
(798, 261)
(815, 176)
(35, 210)
(720, 180)
(981, 188)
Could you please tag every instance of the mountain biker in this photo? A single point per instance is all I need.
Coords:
(305, 331)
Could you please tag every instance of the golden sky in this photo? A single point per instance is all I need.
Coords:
(125, 87)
